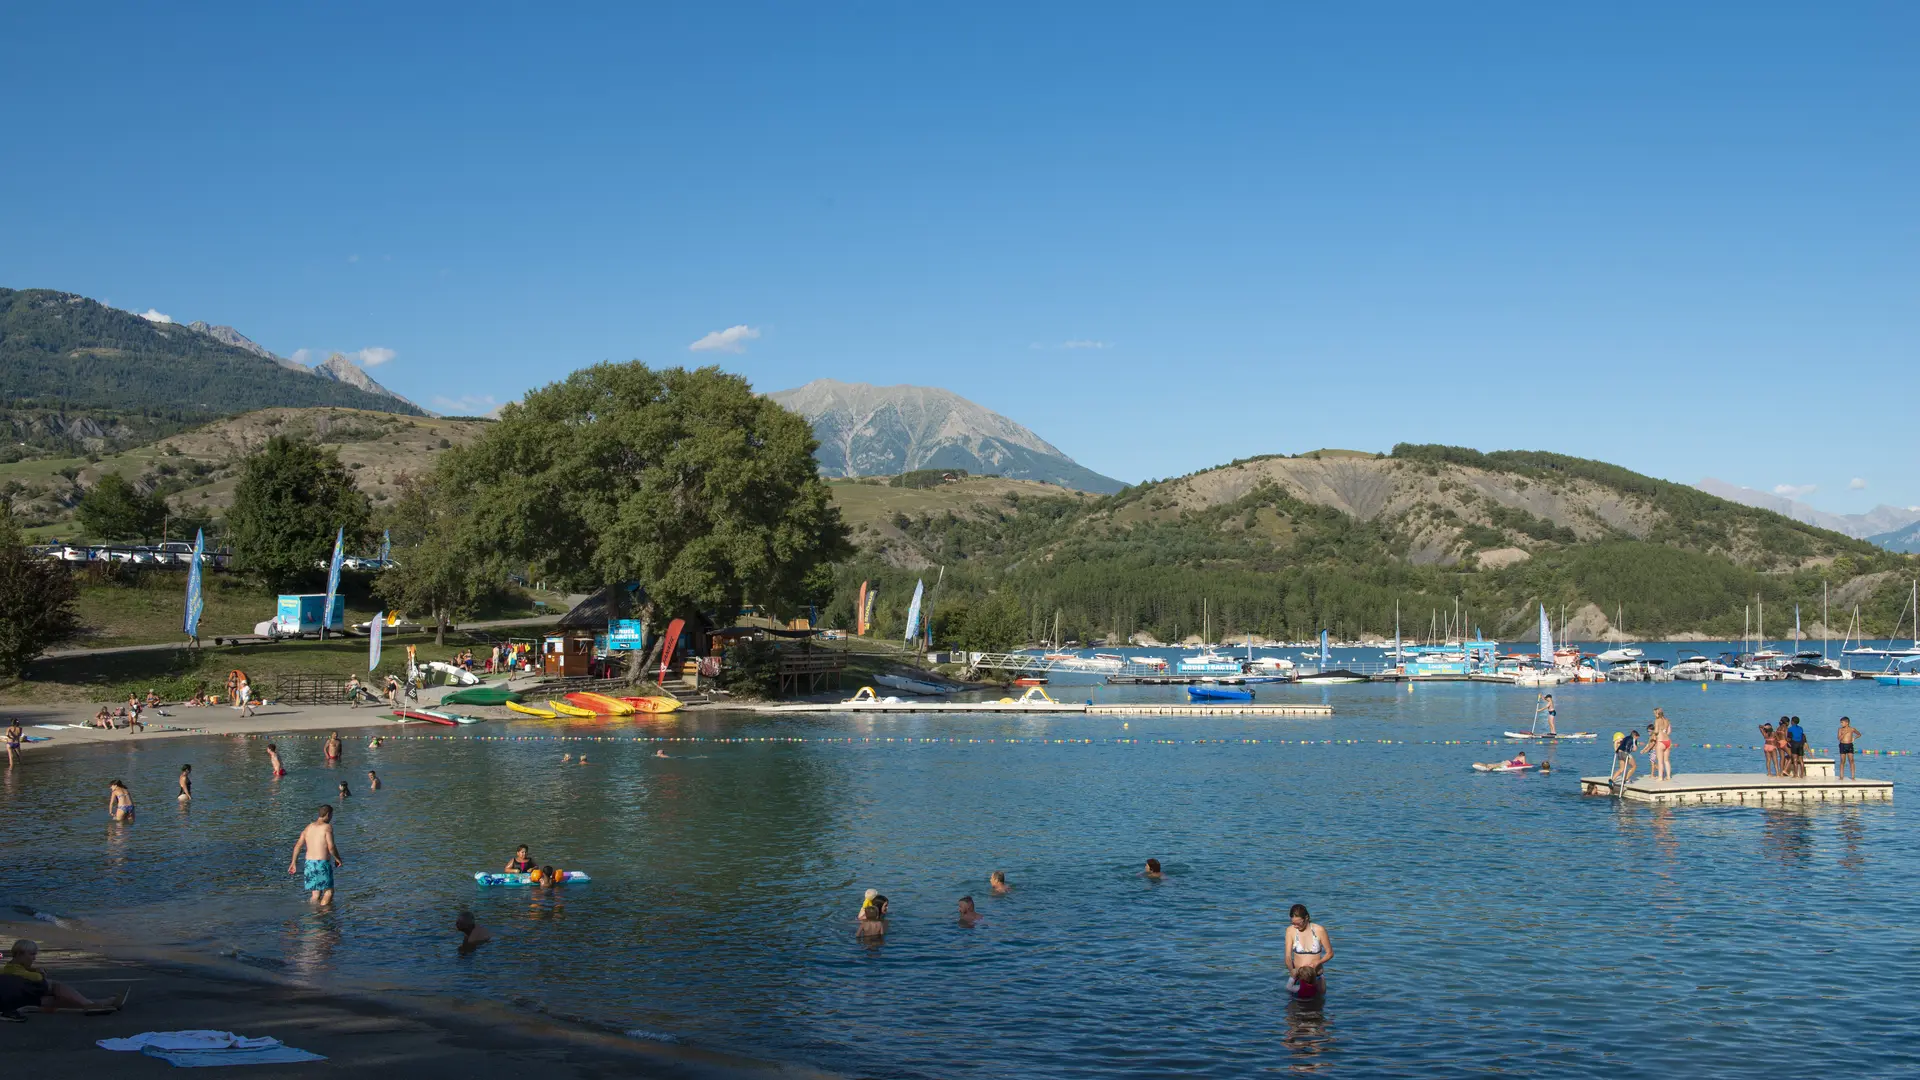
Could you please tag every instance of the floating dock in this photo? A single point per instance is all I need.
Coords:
(1750, 789)
(1148, 709)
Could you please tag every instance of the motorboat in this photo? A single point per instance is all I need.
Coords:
(1691, 668)
(1642, 670)
(1334, 675)
(1902, 673)
(1812, 667)
(1208, 663)
(1626, 654)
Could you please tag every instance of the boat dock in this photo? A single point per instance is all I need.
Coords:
(1207, 709)
(1750, 789)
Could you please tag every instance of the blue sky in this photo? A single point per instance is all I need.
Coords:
(1684, 239)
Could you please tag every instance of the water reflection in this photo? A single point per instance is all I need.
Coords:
(1309, 1034)
(1853, 833)
(308, 943)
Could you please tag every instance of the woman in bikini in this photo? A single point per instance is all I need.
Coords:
(1767, 747)
(119, 801)
(1662, 745)
(1308, 950)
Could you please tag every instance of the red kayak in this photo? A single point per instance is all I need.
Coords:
(416, 714)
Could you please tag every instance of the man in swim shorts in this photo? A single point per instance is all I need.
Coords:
(273, 758)
(1796, 750)
(1553, 715)
(316, 840)
(1848, 736)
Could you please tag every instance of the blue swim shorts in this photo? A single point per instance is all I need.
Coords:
(319, 875)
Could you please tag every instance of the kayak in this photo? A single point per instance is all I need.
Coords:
(569, 877)
(565, 709)
(481, 695)
(528, 710)
(600, 704)
(422, 714)
(655, 704)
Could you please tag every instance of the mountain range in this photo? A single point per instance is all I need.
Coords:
(1880, 520)
(61, 353)
(867, 430)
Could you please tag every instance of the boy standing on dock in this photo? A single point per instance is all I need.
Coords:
(1796, 750)
(1848, 736)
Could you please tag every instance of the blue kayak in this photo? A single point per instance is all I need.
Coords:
(1219, 693)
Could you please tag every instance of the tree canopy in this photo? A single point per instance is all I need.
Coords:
(113, 509)
(684, 481)
(291, 498)
(36, 602)
(437, 570)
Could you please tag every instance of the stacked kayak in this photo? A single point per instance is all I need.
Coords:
(600, 704)
(565, 709)
(481, 695)
(655, 705)
(528, 710)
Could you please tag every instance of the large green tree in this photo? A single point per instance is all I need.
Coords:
(113, 509)
(291, 498)
(437, 572)
(687, 482)
(36, 601)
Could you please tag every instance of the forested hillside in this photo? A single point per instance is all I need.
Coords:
(1284, 546)
(65, 358)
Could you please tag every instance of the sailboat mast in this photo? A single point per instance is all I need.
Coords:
(1825, 631)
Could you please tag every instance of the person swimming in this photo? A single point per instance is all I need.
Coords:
(373, 780)
(998, 880)
(522, 861)
(873, 917)
(1152, 872)
(968, 916)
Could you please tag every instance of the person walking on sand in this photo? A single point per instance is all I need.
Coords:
(248, 704)
(321, 857)
(1848, 736)
(186, 783)
(273, 758)
(119, 801)
(332, 748)
(15, 737)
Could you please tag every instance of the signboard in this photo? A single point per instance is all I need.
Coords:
(626, 635)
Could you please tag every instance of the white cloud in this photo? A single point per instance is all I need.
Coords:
(1795, 491)
(733, 339)
(1857, 484)
(372, 357)
(302, 356)
(153, 316)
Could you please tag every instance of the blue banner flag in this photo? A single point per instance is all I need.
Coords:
(373, 645)
(195, 601)
(386, 547)
(333, 579)
(913, 610)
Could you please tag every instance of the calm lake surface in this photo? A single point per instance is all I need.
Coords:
(1482, 923)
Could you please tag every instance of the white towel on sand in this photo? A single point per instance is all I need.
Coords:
(187, 1040)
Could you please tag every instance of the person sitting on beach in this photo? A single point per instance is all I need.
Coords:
(1152, 872)
(472, 934)
(968, 916)
(521, 863)
(119, 801)
(998, 882)
(103, 719)
(23, 985)
(198, 700)
(873, 917)
(1308, 950)
(153, 699)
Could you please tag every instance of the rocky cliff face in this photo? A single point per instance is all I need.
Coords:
(342, 370)
(885, 430)
(227, 335)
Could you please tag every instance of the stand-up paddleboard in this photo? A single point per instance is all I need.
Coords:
(1547, 737)
(1481, 766)
(568, 877)
(528, 710)
(421, 714)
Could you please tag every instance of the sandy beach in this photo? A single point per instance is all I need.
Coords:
(363, 1030)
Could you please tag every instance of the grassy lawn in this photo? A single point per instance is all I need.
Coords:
(148, 608)
(177, 673)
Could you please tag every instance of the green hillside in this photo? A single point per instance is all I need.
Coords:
(79, 376)
(1284, 546)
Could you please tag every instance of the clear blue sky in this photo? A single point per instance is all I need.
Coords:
(1684, 239)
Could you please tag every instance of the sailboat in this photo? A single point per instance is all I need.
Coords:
(1625, 654)
(1903, 667)
(1547, 674)
(1327, 674)
(1890, 651)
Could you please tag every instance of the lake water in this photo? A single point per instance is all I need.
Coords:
(1489, 923)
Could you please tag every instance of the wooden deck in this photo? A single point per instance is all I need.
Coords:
(1751, 789)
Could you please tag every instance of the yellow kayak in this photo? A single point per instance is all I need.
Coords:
(654, 705)
(531, 711)
(600, 704)
(565, 709)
